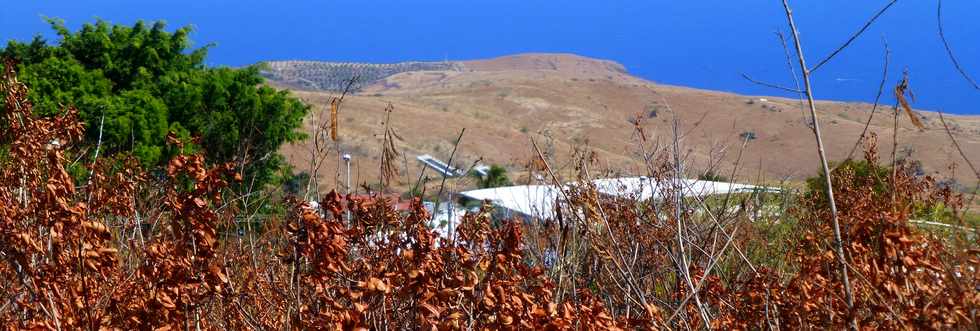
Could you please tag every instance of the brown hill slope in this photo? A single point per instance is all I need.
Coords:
(569, 102)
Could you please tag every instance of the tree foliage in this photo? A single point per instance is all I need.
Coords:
(137, 83)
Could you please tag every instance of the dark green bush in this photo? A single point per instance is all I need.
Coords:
(141, 82)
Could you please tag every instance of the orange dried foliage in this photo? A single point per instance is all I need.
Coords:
(127, 251)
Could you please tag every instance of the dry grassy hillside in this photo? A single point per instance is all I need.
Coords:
(569, 102)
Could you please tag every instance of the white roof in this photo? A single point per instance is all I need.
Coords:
(532, 200)
(539, 200)
(644, 188)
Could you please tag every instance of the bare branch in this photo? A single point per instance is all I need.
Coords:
(881, 88)
(771, 85)
(711, 265)
(792, 72)
(853, 37)
(443, 184)
(957, 145)
(963, 155)
(839, 245)
(683, 266)
(949, 50)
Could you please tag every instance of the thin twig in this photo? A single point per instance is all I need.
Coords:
(443, 184)
(792, 72)
(949, 50)
(853, 37)
(963, 155)
(771, 85)
(957, 145)
(895, 147)
(707, 271)
(684, 266)
(629, 272)
(875, 291)
(839, 245)
(881, 88)
(319, 127)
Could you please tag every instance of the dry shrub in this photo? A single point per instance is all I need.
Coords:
(125, 250)
(57, 256)
(904, 278)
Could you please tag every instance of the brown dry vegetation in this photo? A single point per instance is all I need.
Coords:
(576, 101)
(124, 250)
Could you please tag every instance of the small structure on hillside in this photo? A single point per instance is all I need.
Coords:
(440, 167)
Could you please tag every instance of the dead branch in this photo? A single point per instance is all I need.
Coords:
(839, 245)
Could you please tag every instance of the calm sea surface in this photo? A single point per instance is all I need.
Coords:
(706, 44)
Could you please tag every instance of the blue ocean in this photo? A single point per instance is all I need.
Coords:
(704, 44)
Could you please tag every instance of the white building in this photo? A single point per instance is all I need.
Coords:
(539, 201)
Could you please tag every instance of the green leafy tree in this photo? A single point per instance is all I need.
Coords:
(137, 83)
